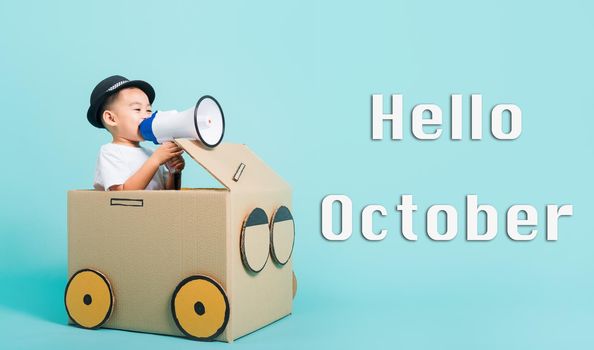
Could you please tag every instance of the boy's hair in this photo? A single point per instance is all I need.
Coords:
(106, 105)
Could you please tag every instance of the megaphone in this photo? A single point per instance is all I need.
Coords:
(204, 122)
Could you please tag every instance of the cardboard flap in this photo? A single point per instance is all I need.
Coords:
(234, 165)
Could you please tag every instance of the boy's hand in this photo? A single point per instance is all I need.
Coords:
(176, 165)
(166, 152)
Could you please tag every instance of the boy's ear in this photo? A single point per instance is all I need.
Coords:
(109, 118)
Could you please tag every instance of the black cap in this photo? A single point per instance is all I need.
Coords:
(110, 86)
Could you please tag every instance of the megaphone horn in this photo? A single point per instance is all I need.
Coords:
(204, 122)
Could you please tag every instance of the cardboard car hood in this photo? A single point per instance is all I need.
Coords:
(235, 166)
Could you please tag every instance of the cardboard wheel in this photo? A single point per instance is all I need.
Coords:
(200, 307)
(282, 235)
(255, 241)
(88, 299)
(294, 285)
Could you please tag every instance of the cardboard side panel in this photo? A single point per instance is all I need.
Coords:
(264, 297)
(146, 243)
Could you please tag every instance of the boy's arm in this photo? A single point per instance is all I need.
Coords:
(141, 178)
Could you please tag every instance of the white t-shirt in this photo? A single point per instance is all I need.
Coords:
(116, 163)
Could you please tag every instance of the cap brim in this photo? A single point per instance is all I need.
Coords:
(92, 112)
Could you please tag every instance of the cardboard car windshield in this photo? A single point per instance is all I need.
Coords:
(206, 263)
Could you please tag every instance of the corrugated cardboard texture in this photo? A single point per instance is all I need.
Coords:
(145, 251)
(224, 160)
(258, 298)
(147, 242)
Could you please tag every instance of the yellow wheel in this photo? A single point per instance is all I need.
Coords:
(200, 307)
(88, 298)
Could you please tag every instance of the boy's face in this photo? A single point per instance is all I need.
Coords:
(125, 113)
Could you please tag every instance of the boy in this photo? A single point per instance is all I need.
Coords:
(119, 105)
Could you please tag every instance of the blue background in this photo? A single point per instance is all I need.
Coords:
(295, 80)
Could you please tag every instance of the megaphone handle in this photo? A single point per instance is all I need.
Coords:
(177, 180)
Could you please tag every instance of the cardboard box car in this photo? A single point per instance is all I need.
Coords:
(204, 263)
